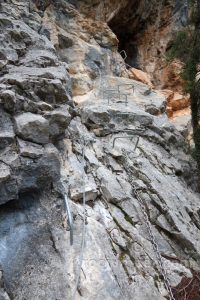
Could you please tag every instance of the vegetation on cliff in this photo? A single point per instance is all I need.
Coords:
(186, 47)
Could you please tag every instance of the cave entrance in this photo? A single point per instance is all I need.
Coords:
(126, 25)
(128, 44)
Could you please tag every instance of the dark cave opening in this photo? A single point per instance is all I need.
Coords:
(127, 43)
(128, 26)
(137, 25)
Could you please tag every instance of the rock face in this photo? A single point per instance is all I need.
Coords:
(32, 127)
(33, 82)
(149, 31)
(113, 139)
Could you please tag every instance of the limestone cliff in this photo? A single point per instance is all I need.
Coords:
(73, 124)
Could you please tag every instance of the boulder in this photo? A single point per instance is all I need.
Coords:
(140, 76)
(32, 127)
(8, 100)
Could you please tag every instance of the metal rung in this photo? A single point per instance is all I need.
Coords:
(125, 55)
(126, 137)
(126, 84)
(126, 98)
(110, 91)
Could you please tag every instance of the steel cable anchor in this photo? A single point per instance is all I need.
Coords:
(69, 215)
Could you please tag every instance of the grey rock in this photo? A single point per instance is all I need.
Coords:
(143, 290)
(6, 129)
(42, 173)
(32, 127)
(119, 261)
(58, 72)
(40, 58)
(90, 156)
(4, 173)
(8, 100)
(36, 107)
(176, 271)
(25, 225)
(9, 156)
(64, 41)
(76, 189)
(8, 184)
(81, 85)
(31, 150)
(73, 172)
(182, 124)
(110, 187)
(3, 63)
(9, 54)
(104, 116)
(59, 120)
(43, 106)
(3, 294)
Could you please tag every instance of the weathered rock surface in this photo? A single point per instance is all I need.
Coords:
(3, 294)
(8, 189)
(48, 50)
(58, 119)
(31, 150)
(6, 129)
(32, 127)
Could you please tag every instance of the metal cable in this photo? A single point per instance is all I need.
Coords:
(149, 228)
(70, 219)
(68, 213)
(84, 226)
